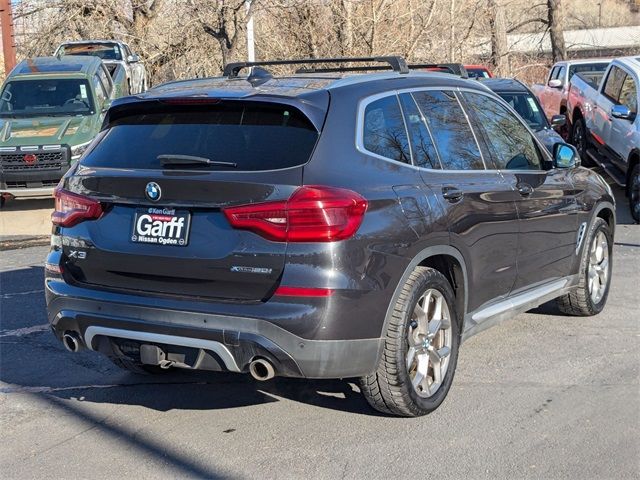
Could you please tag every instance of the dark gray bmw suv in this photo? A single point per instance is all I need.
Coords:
(325, 224)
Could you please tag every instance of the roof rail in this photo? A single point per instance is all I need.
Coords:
(452, 68)
(398, 64)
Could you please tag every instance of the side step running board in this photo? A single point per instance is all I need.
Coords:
(608, 167)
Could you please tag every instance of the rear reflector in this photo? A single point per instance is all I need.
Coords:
(72, 208)
(303, 292)
(312, 214)
(52, 268)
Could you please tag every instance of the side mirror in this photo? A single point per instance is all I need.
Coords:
(565, 156)
(623, 112)
(558, 121)
(555, 83)
(133, 58)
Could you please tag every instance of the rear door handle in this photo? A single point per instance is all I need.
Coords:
(525, 189)
(452, 194)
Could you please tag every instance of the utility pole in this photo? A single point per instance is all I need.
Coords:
(8, 39)
(251, 54)
(599, 14)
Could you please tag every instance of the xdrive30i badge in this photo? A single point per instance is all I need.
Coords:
(153, 191)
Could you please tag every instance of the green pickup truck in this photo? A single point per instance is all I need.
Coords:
(50, 110)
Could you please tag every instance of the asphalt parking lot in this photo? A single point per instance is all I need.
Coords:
(540, 396)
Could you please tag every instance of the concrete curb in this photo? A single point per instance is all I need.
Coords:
(14, 242)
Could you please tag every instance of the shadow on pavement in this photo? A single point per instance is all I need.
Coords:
(137, 441)
(28, 204)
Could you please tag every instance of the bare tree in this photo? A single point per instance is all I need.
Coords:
(554, 12)
(499, 48)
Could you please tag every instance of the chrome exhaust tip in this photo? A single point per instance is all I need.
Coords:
(71, 341)
(261, 370)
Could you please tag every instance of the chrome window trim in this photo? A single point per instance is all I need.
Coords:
(362, 104)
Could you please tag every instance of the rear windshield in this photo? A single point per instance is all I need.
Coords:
(105, 51)
(251, 136)
(587, 67)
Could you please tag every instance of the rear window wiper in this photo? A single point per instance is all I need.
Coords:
(172, 159)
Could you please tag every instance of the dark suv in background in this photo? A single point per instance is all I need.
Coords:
(324, 224)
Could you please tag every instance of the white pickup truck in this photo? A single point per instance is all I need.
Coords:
(553, 94)
(126, 68)
(603, 110)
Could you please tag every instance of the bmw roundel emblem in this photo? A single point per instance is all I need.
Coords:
(153, 191)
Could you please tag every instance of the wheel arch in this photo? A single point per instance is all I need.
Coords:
(606, 211)
(448, 261)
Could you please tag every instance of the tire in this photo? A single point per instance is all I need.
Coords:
(634, 193)
(582, 301)
(390, 388)
(2, 201)
(580, 141)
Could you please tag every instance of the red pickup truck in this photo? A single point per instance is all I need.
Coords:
(553, 94)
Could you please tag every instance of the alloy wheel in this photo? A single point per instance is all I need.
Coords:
(598, 272)
(429, 339)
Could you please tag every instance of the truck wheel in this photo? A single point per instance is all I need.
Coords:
(590, 296)
(579, 140)
(634, 193)
(415, 371)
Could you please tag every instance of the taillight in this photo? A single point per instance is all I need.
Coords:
(312, 214)
(72, 208)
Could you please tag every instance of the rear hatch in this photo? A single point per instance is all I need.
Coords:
(163, 173)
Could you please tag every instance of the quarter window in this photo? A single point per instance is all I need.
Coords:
(451, 132)
(384, 130)
(512, 145)
(422, 148)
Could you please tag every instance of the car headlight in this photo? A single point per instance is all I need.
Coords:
(78, 150)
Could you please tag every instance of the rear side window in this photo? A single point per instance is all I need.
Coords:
(512, 145)
(384, 130)
(451, 132)
(253, 136)
(422, 148)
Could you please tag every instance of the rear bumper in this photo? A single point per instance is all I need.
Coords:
(232, 342)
